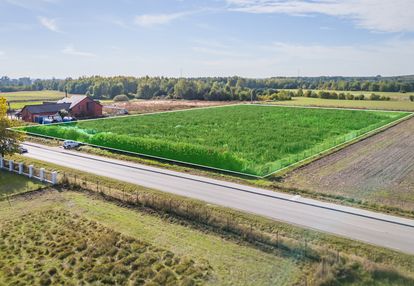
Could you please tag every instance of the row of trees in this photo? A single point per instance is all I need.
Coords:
(344, 96)
(217, 88)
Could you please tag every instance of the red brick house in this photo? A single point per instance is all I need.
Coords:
(78, 106)
(82, 106)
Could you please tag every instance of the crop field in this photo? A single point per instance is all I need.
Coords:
(378, 170)
(68, 238)
(250, 139)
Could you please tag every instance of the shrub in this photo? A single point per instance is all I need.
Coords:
(360, 97)
(350, 96)
(121, 97)
(374, 96)
(411, 97)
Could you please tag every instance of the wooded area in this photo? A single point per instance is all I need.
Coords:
(217, 88)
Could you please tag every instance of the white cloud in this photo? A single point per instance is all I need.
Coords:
(148, 20)
(49, 24)
(70, 50)
(376, 15)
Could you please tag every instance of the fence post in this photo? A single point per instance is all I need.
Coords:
(1, 163)
(11, 165)
(54, 178)
(20, 168)
(31, 171)
(42, 174)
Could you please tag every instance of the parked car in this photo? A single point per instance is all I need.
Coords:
(69, 144)
(22, 150)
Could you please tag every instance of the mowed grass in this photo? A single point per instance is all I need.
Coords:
(70, 238)
(32, 96)
(21, 104)
(397, 105)
(251, 139)
(14, 184)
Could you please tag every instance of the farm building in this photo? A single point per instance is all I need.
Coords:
(78, 106)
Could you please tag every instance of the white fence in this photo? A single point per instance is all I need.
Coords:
(29, 171)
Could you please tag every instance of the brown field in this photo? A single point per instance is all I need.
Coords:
(147, 106)
(377, 170)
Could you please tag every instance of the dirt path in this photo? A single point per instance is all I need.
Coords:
(147, 106)
(379, 169)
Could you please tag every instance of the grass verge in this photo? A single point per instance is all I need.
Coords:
(329, 255)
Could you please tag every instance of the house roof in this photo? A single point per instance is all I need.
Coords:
(47, 108)
(73, 100)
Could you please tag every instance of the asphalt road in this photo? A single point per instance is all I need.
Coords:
(370, 227)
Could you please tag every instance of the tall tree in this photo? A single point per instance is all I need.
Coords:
(9, 140)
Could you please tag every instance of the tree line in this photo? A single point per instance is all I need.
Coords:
(212, 88)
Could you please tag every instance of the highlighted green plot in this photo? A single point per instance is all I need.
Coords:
(250, 139)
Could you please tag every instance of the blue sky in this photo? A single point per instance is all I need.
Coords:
(252, 38)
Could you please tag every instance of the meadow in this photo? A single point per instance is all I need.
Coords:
(249, 139)
(68, 238)
(397, 105)
(19, 99)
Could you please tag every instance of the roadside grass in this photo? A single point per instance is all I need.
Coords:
(227, 138)
(358, 262)
(84, 239)
(396, 105)
(11, 184)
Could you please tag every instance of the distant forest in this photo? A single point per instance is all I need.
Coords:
(217, 88)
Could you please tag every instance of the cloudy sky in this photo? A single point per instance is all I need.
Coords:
(253, 38)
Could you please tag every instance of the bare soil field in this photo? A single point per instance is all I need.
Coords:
(378, 170)
(148, 106)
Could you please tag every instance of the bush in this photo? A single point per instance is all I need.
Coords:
(360, 97)
(374, 96)
(121, 97)
(349, 96)
(411, 97)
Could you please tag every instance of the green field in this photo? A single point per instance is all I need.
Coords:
(398, 105)
(19, 99)
(250, 139)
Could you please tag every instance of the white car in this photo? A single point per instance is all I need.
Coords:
(68, 144)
